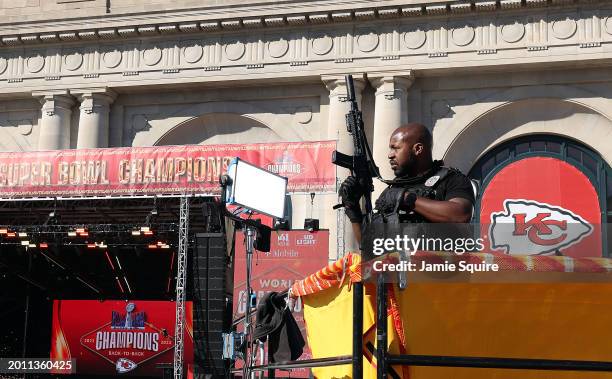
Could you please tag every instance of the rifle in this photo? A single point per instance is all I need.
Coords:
(361, 163)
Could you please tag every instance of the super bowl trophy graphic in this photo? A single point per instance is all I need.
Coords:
(128, 316)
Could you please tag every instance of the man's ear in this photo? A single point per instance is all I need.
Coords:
(418, 148)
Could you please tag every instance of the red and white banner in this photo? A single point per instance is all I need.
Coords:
(160, 170)
(117, 337)
(542, 206)
(293, 256)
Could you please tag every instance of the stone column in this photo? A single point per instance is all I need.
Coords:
(389, 113)
(336, 124)
(94, 118)
(55, 121)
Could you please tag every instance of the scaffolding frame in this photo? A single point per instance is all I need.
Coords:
(181, 281)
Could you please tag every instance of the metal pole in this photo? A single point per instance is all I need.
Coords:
(271, 371)
(26, 310)
(306, 363)
(500, 363)
(357, 357)
(250, 237)
(181, 276)
(381, 327)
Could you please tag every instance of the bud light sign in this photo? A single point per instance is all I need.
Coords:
(542, 206)
(293, 256)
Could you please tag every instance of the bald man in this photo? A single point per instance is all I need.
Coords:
(423, 189)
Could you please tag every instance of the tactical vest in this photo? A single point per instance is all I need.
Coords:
(426, 189)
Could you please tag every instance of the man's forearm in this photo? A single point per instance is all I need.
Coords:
(450, 211)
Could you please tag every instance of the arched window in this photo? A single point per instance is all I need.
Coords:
(559, 162)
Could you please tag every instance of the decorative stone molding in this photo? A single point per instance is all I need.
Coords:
(365, 15)
(190, 27)
(94, 98)
(485, 5)
(415, 41)
(30, 39)
(460, 8)
(53, 100)
(231, 24)
(68, 36)
(412, 11)
(375, 11)
(147, 30)
(297, 20)
(274, 21)
(90, 35)
(390, 84)
(167, 29)
(435, 9)
(10, 41)
(388, 13)
(319, 18)
(336, 85)
(209, 26)
(510, 4)
(252, 23)
(52, 37)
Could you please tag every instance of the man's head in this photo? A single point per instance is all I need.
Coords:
(410, 150)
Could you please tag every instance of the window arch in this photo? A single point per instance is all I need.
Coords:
(591, 164)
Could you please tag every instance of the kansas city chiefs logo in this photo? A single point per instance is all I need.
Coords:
(528, 227)
(124, 365)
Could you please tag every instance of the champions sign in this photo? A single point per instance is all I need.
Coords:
(118, 337)
(159, 170)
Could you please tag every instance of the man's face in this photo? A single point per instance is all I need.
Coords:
(401, 157)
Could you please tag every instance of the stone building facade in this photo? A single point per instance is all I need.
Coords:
(479, 73)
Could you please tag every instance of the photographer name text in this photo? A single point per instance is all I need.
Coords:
(423, 266)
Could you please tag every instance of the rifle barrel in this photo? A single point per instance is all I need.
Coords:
(350, 88)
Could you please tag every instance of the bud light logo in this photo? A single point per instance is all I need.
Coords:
(528, 227)
(307, 239)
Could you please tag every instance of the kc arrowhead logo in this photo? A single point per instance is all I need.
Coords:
(124, 365)
(528, 227)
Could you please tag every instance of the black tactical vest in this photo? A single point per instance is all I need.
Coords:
(423, 188)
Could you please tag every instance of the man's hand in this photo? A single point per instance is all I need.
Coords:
(395, 198)
(351, 192)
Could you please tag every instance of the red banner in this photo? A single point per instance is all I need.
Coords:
(160, 170)
(293, 256)
(542, 206)
(117, 337)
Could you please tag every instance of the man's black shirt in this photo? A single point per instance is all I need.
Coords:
(439, 183)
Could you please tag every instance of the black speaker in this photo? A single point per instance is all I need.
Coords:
(262, 238)
(212, 305)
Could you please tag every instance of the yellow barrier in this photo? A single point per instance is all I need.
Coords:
(547, 320)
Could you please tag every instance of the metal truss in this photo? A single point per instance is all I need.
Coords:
(181, 283)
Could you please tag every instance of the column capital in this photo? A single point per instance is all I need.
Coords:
(91, 98)
(389, 83)
(336, 84)
(53, 100)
